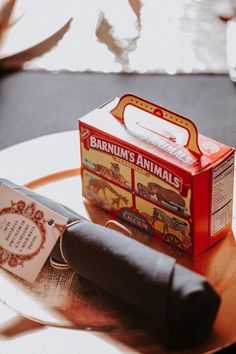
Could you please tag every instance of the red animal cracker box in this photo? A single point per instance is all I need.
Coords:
(150, 167)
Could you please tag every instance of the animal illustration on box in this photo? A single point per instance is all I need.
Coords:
(112, 173)
(143, 190)
(168, 196)
(173, 223)
(104, 171)
(97, 185)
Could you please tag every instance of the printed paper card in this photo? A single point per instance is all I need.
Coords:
(28, 233)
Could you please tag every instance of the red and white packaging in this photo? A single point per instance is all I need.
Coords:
(151, 167)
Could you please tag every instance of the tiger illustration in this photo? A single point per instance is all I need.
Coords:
(112, 173)
(109, 173)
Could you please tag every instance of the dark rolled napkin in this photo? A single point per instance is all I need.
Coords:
(182, 304)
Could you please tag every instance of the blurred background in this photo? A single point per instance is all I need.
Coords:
(140, 36)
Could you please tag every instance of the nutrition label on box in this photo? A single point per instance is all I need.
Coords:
(222, 195)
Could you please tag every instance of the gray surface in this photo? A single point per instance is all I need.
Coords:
(37, 103)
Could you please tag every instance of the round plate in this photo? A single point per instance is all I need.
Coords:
(61, 298)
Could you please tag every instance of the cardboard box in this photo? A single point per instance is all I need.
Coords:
(149, 166)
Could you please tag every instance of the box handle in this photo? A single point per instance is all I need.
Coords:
(160, 112)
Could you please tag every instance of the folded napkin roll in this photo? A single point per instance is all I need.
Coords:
(182, 304)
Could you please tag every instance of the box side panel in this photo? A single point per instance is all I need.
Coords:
(201, 202)
(212, 204)
(222, 183)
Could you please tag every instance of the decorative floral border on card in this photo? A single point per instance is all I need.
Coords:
(35, 215)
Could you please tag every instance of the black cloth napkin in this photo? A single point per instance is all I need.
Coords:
(182, 304)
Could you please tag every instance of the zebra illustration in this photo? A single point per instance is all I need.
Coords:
(169, 222)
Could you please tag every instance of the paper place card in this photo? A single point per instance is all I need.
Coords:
(28, 233)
